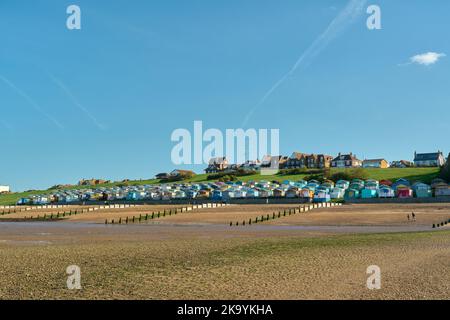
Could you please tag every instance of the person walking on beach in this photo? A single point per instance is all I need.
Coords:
(413, 216)
(407, 216)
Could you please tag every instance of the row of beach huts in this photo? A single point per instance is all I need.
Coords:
(311, 190)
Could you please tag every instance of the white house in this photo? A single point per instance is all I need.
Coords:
(435, 159)
(4, 189)
(346, 161)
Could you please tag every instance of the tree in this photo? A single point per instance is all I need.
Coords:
(445, 170)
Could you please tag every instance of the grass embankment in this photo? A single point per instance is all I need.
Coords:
(413, 174)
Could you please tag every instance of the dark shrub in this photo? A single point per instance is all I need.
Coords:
(445, 170)
(294, 171)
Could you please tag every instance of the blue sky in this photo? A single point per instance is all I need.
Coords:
(103, 101)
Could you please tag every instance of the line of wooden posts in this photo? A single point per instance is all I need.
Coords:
(63, 214)
(441, 224)
(55, 216)
(284, 213)
(7, 212)
(89, 209)
(161, 214)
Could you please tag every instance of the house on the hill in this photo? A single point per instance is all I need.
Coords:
(162, 176)
(402, 164)
(251, 165)
(296, 160)
(4, 189)
(375, 163)
(311, 161)
(217, 164)
(269, 161)
(346, 161)
(435, 159)
(319, 161)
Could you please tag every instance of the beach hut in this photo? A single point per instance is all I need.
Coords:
(279, 193)
(300, 184)
(228, 194)
(292, 192)
(265, 193)
(203, 194)
(329, 181)
(386, 182)
(322, 188)
(359, 181)
(422, 190)
(85, 196)
(351, 194)
(241, 193)
(337, 193)
(312, 185)
(179, 194)
(306, 193)
(343, 184)
(53, 198)
(133, 195)
(252, 193)
(371, 184)
(401, 183)
(217, 195)
(386, 192)
(356, 186)
(326, 186)
(71, 198)
(191, 193)
(41, 200)
(404, 192)
(23, 201)
(321, 196)
(156, 195)
(167, 195)
(437, 182)
(368, 193)
(442, 190)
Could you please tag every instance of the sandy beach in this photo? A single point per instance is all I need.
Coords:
(322, 254)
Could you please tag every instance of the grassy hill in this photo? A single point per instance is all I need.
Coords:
(412, 174)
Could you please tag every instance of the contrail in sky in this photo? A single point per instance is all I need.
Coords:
(346, 16)
(31, 102)
(74, 100)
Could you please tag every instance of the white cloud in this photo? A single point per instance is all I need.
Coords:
(427, 59)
